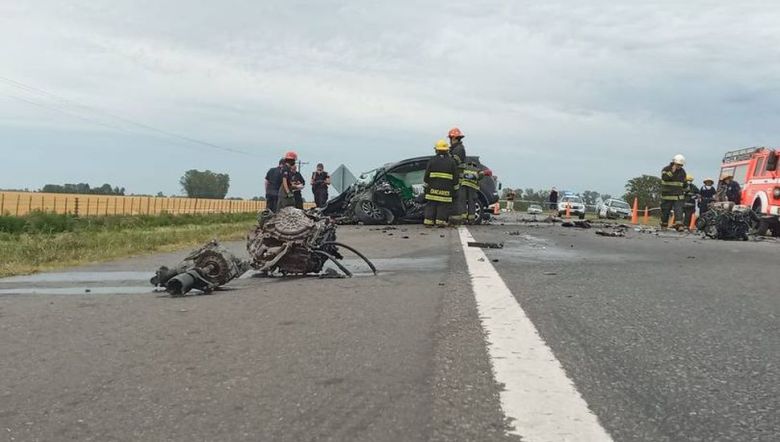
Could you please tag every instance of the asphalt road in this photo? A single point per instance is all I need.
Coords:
(664, 337)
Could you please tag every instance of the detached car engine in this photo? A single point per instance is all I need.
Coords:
(295, 242)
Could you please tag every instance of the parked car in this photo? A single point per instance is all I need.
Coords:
(614, 209)
(535, 209)
(395, 193)
(575, 204)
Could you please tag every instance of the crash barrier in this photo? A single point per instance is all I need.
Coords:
(22, 203)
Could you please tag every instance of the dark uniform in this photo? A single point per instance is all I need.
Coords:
(467, 196)
(319, 187)
(691, 198)
(552, 201)
(297, 179)
(672, 194)
(458, 152)
(286, 199)
(273, 179)
(707, 194)
(441, 177)
(734, 192)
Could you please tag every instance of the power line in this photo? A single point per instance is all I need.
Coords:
(72, 103)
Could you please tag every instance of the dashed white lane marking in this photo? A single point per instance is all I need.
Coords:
(541, 401)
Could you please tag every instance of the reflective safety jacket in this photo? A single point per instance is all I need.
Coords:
(691, 194)
(441, 177)
(469, 175)
(673, 184)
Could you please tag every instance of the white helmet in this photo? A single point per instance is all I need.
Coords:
(679, 159)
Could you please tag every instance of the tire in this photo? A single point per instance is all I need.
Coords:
(368, 212)
(581, 216)
(479, 212)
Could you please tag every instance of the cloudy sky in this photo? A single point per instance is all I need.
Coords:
(576, 94)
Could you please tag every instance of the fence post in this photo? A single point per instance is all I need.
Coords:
(76, 207)
(42, 206)
(54, 205)
(148, 205)
(2, 204)
(29, 206)
(124, 200)
(66, 205)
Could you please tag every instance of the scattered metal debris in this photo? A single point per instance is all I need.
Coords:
(582, 224)
(728, 221)
(204, 269)
(616, 233)
(296, 242)
(487, 245)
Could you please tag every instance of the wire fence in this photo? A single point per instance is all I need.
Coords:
(22, 203)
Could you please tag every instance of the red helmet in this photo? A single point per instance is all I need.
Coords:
(455, 133)
(291, 155)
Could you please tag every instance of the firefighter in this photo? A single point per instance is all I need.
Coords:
(673, 191)
(706, 195)
(457, 149)
(467, 193)
(730, 190)
(458, 152)
(286, 195)
(320, 180)
(441, 177)
(691, 199)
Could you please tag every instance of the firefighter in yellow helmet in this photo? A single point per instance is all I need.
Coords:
(441, 178)
(691, 200)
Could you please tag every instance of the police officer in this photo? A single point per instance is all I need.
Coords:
(298, 184)
(691, 199)
(441, 177)
(458, 152)
(706, 195)
(467, 196)
(673, 191)
(273, 180)
(320, 180)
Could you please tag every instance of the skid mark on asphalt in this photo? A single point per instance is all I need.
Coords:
(541, 400)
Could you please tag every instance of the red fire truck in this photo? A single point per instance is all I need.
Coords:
(756, 170)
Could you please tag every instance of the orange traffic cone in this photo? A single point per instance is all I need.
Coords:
(671, 219)
(692, 226)
(635, 212)
(568, 212)
(497, 208)
(647, 216)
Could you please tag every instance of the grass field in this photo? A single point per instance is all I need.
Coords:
(45, 241)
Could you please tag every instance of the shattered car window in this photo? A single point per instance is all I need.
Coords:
(368, 177)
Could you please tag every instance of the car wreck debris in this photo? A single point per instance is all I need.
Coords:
(204, 269)
(727, 221)
(296, 242)
(487, 245)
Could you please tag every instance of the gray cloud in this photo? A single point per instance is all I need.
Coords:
(574, 94)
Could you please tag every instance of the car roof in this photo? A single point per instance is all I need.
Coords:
(424, 158)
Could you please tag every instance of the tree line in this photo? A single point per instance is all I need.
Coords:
(645, 188)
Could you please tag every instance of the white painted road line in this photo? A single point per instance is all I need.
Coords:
(541, 401)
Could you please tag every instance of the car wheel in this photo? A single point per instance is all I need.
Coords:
(368, 212)
(582, 216)
(479, 212)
